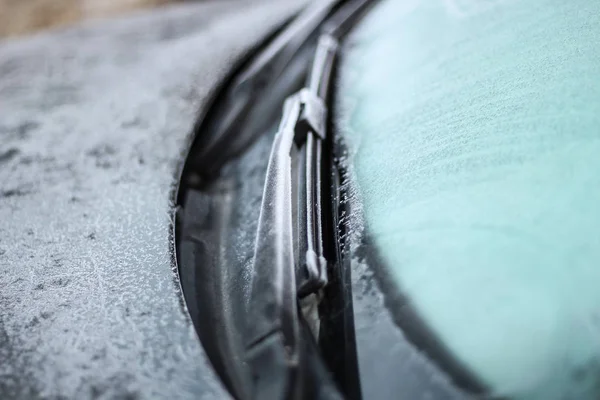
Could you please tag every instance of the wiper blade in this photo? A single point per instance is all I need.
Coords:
(283, 272)
(273, 327)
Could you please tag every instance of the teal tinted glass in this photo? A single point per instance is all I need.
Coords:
(474, 132)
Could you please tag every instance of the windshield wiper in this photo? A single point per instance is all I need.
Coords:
(309, 135)
(289, 261)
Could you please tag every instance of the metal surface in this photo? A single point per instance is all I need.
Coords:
(93, 122)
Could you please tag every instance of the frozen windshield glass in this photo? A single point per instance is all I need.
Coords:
(474, 131)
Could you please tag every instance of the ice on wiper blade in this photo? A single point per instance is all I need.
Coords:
(274, 327)
(289, 261)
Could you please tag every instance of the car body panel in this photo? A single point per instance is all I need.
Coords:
(94, 122)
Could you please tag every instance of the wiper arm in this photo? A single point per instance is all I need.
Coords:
(310, 133)
(283, 273)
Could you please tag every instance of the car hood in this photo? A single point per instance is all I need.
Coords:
(94, 124)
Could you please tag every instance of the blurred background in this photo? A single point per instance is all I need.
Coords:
(22, 17)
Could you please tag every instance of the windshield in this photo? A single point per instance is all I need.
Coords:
(473, 133)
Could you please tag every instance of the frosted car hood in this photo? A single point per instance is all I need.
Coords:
(93, 124)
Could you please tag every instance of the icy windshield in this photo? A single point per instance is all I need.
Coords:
(474, 130)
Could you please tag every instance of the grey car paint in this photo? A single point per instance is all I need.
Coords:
(94, 121)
